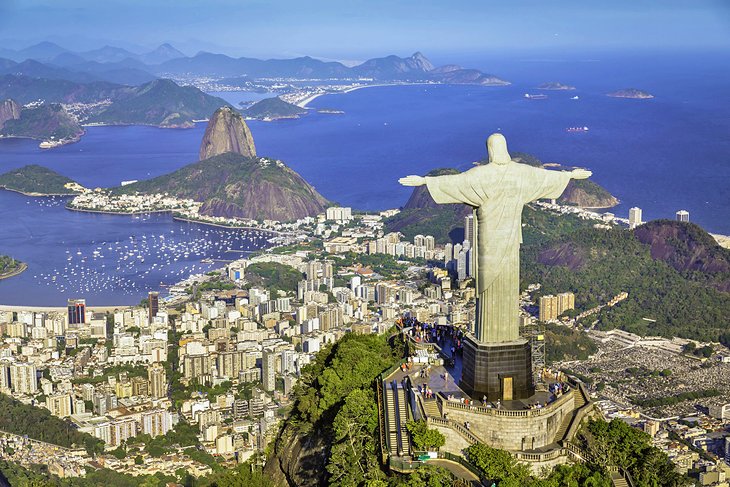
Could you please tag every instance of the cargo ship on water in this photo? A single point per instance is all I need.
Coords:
(577, 129)
(535, 97)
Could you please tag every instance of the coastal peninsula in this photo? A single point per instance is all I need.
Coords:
(35, 180)
(48, 122)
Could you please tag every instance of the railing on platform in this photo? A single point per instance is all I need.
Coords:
(403, 464)
(623, 472)
(577, 453)
(454, 426)
(463, 462)
(521, 413)
(540, 456)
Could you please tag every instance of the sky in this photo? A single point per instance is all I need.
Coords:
(358, 29)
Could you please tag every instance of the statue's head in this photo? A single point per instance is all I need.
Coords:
(497, 149)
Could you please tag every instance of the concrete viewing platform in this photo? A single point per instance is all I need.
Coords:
(536, 430)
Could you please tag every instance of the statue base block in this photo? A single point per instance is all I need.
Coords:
(501, 371)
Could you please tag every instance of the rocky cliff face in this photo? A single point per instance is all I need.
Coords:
(227, 132)
(587, 194)
(687, 248)
(9, 110)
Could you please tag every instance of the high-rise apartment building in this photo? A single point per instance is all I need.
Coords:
(59, 404)
(156, 422)
(122, 429)
(553, 306)
(23, 378)
(153, 305)
(635, 217)
(469, 228)
(566, 301)
(76, 311)
(268, 370)
(548, 307)
(157, 381)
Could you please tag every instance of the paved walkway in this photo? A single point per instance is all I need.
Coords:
(457, 469)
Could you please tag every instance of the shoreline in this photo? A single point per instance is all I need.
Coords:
(220, 225)
(22, 268)
(122, 213)
(175, 217)
(37, 195)
(311, 98)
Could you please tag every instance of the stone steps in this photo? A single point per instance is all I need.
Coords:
(618, 480)
(430, 406)
(579, 403)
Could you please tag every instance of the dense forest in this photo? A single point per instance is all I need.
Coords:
(39, 424)
(597, 264)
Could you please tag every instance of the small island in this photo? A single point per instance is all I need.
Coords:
(274, 109)
(631, 93)
(34, 180)
(10, 267)
(555, 86)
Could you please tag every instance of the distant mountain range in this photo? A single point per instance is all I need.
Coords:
(112, 85)
(160, 102)
(118, 65)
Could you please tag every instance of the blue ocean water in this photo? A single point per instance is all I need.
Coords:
(663, 154)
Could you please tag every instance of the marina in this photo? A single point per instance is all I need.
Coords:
(109, 259)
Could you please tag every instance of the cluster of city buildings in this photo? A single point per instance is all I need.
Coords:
(227, 361)
(101, 201)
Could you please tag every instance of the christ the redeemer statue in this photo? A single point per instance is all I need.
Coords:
(497, 191)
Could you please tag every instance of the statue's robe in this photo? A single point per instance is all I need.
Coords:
(498, 192)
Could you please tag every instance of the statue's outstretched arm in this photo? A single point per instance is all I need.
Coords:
(412, 181)
(580, 174)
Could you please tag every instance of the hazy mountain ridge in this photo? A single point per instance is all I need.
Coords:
(390, 68)
(115, 64)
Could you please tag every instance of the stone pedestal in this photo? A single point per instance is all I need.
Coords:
(494, 369)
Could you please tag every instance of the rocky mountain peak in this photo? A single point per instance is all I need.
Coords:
(227, 132)
(9, 110)
(420, 62)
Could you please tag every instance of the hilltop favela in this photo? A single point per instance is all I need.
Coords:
(364, 244)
